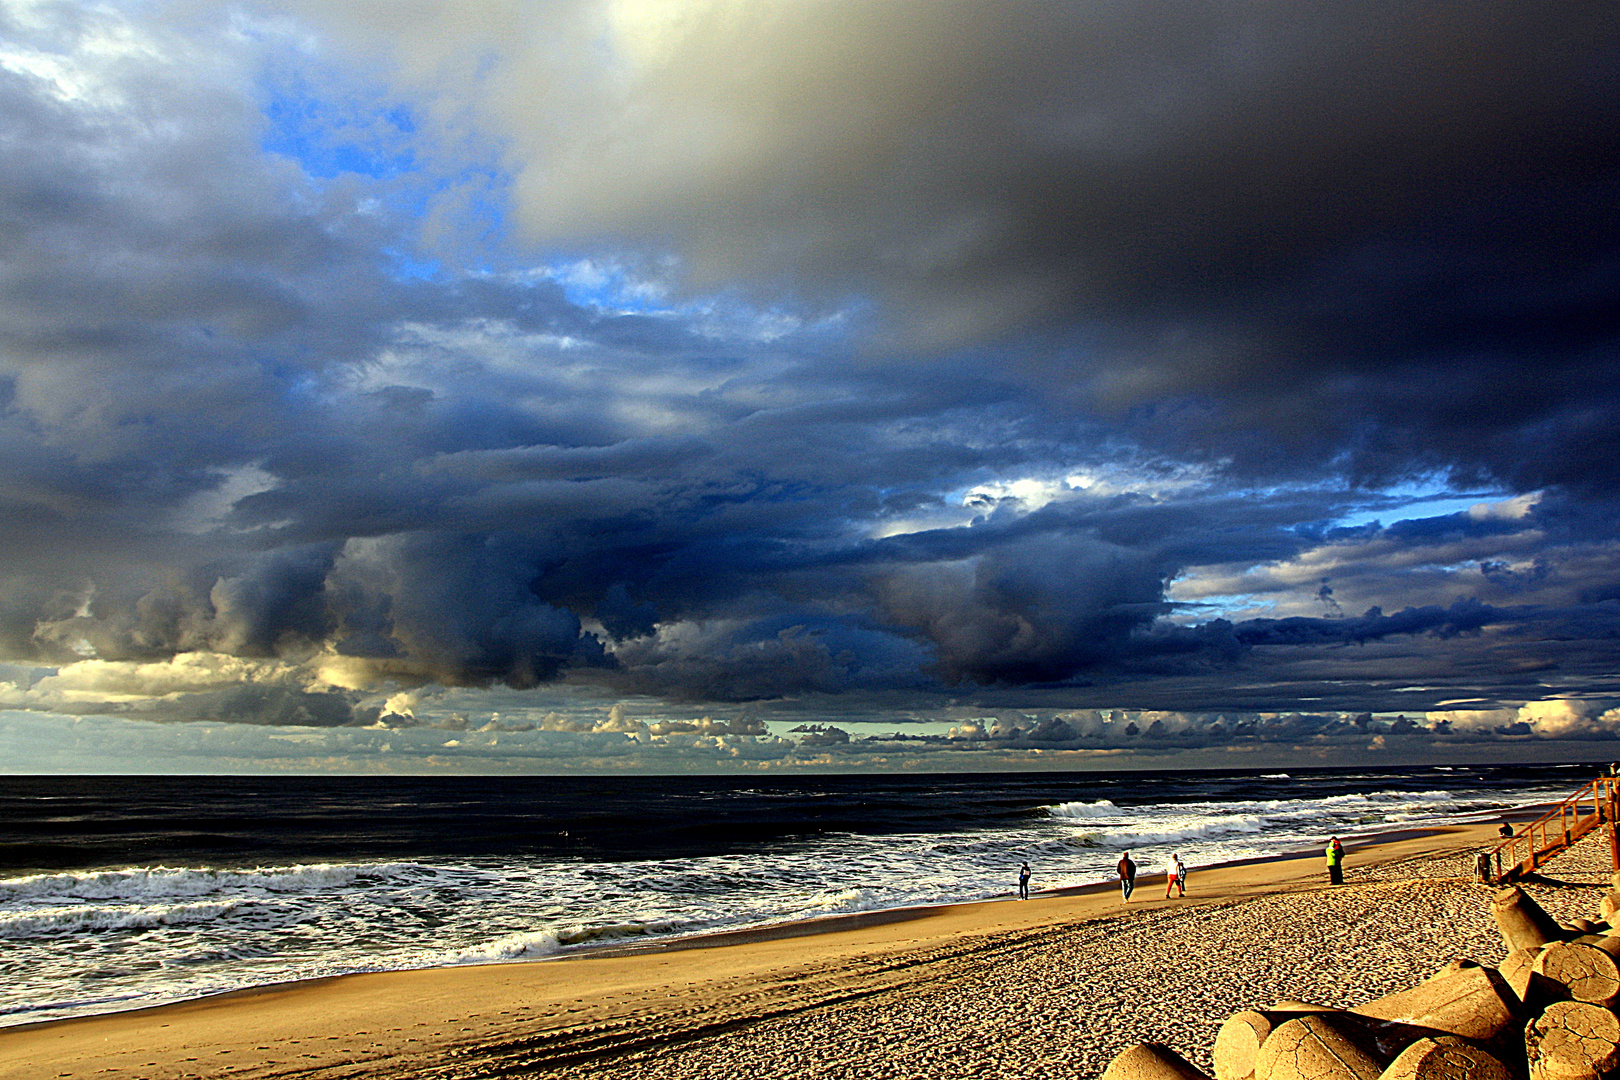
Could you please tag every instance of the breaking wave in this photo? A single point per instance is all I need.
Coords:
(54, 922)
(1100, 808)
(1148, 834)
(149, 884)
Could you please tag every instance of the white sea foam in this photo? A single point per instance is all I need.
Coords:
(154, 883)
(833, 902)
(1226, 830)
(1170, 832)
(19, 1010)
(520, 946)
(1100, 808)
(56, 921)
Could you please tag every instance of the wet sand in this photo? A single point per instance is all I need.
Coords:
(1050, 986)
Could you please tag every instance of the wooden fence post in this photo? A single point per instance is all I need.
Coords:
(1614, 829)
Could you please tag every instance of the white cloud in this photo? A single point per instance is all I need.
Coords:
(1473, 719)
(619, 720)
(129, 681)
(1515, 509)
(1565, 718)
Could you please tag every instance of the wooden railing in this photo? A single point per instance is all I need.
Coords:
(1533, 844)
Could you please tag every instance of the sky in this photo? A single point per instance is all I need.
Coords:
(807, 384)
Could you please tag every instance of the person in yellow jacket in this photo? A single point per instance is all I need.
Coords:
(1335, 861)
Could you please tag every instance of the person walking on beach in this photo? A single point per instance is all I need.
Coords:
(1177, 877)
(1023, 882)
(1335, 861)
(1127, 876)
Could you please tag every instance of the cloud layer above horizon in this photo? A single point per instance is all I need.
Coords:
(811, 359)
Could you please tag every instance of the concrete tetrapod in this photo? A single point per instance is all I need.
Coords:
(1238, 1042)
(1151, 1061)
(1446, 1058)
(1573, 1040)
(1317, 1047)
(1579, 972)
(1241, 1035)
(1462, 999)
(1523, 922)
(1518, 970)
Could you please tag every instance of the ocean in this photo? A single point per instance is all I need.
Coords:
(124, 892)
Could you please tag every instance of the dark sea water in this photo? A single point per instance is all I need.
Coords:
(119, 892)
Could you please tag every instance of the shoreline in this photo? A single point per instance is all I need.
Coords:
(790, 928)
(609, 1001)
(848, 921)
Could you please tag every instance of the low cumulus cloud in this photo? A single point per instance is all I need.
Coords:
(1540, 728)
(1555, 718)
(1162, 356)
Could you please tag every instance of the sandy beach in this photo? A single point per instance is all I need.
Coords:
(1049, 987)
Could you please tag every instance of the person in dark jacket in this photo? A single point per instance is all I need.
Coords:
(1127, 876)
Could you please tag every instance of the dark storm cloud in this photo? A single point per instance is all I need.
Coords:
(1123, 302)
(1378, 238)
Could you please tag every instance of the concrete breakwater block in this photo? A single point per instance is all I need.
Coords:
(1238, 1042)
(1524, 923)
(1446, 1058)
(1573, 1040)
(1239, 1039)
(1319, 1046)
(1463, 999)
(1578, 972)
(1151, 1061)
(1518, 970)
